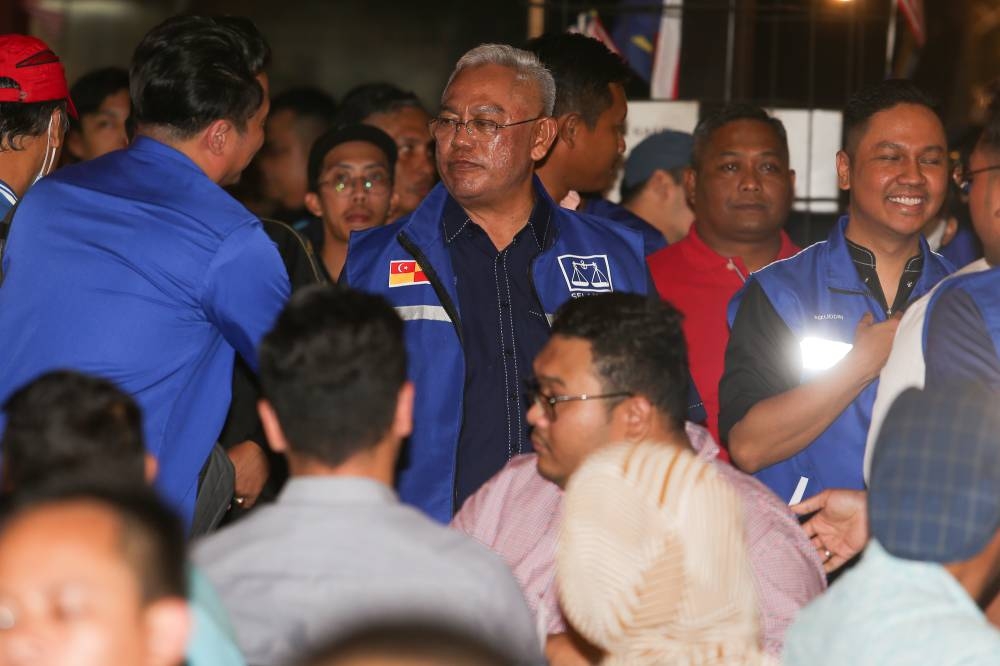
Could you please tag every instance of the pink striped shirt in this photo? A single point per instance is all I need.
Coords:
(517, 514)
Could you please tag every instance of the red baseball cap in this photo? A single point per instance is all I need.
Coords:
(36, 69)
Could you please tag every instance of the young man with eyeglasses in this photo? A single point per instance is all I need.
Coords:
(810, 334)
(477, 269)
(615, 370)
(350, 174)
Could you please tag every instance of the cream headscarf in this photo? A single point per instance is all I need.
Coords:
(652, 564)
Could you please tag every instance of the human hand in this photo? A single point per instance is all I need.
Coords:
(252, 470)
(839, 528)
(873, 342)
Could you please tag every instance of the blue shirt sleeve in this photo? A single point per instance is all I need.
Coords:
(958, 344)
(246, 287)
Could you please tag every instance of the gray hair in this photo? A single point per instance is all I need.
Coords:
(526, 64)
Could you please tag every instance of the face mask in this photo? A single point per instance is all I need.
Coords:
(50, 158)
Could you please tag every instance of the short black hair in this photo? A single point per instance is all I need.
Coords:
(332, 368)
(152, 538)
(636, 344)
(192, 70)
(708, 125)
(65, 423)
(583, 68)
(330, 140)
(307, 103)
(435, 643)
(21, 120)
(91, 89)
(880, 97)
(369, 99)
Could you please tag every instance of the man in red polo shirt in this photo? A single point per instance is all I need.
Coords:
(740, 188)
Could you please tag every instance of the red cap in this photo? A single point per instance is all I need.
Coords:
(37, 70)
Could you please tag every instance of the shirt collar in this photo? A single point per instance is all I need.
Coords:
(7, 193)
(710, 259)
(701, 441)
(330, 489)
(864, 262)
(454, 220)
(151, 145)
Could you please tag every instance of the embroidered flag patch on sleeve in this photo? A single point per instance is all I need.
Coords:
(406, 272)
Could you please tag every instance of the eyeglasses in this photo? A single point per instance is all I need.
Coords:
(342, 183)
(963, 178)
(477, 128)
(548, 402)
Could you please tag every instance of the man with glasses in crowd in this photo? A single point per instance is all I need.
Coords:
(476, 271)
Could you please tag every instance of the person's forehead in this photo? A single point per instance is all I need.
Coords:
(355, 153)
(488, 86)
(406, 119)
(913, 125)
(118, 99)
(564, 357)
(62, 542)
(745, 135)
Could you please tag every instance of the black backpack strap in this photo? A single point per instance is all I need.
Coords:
(5, 226)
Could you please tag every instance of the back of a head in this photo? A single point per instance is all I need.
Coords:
(652, 564)
(91, 89)
(369, 99)
(637, 345)
(150, 536)
(192, 70)
(878, 97)
(332, 368)
(408, 644)
(583, 69)
(310, 105)
(32, 86)
(65, 423)
(708, 125)
(932, 493)
(525, 65)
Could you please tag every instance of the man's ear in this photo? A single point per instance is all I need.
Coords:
(169, 625)
(690, 184)
(638, 414)
(402, 422)
(569, 124)
(312, 203)
(544, 136)
(843, 170)
(272, 427)
(217, 135)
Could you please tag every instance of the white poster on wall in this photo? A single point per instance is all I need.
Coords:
(814, 137)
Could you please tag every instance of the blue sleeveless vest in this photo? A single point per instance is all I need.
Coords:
(820, 296)
(588, 256)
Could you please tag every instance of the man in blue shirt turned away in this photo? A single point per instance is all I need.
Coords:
(137, 266)
(477, 270)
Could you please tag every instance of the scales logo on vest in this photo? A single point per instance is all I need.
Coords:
(590, 274)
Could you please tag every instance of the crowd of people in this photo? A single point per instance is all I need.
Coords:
(291, 380)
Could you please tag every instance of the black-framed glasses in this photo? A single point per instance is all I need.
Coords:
(963, 178)
(548, 402)
(344, 183)
(477, 128)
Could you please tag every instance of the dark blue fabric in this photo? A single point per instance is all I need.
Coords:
(138, 268)
(652, 239)
(432, 315)
(504, 328)
(819, 293)
(6, 194)
(963, 249)
(961, 331)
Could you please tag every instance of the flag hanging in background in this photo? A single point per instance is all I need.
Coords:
(913, 11)
(650, 41)
(589, 24)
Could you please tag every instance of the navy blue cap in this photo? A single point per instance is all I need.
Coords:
(934, 492)
(665, 150)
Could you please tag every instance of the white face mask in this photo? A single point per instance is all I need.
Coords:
(49, 162)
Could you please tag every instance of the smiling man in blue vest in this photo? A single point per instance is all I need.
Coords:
(477, 270)
(810, 334)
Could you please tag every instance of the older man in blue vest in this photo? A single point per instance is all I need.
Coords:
(477, 270)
